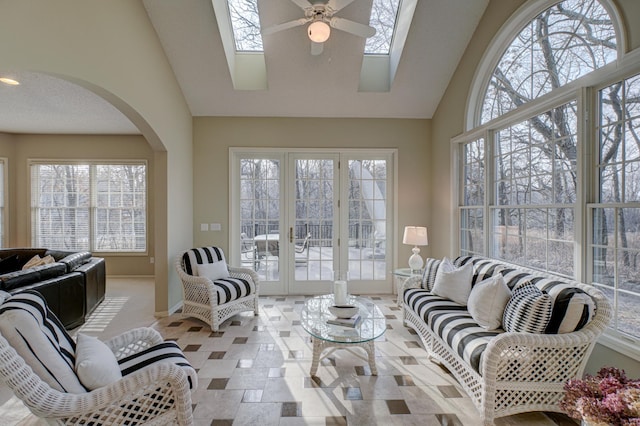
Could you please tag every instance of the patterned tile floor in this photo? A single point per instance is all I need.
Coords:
(255, 371)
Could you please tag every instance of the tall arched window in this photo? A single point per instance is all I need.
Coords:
(544, 180)
(563, 43)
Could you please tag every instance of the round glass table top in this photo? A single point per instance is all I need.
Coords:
(315, 314)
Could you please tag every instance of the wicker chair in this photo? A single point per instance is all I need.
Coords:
(154, 395)
(215, 300)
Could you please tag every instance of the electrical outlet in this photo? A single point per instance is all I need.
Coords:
(152, 260)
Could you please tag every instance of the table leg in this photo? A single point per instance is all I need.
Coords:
(317, 350)
(371, 351)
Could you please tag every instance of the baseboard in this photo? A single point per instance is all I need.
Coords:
(130, 276)
(171, 310)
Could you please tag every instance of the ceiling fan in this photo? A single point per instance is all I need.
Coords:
(319, 14)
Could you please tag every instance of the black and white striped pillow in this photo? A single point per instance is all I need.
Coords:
(430, 271)
(528, 310)
(41, 340)
(163, 352)
(573, 308)
(199, 256)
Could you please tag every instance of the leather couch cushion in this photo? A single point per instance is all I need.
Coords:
(21, 278)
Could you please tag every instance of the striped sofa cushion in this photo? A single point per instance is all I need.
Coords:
(41, 340)
(164, 352)
(227, 289)
(453, 324)
(429, 274)
(572, 308)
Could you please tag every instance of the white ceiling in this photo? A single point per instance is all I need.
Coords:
(299, 84)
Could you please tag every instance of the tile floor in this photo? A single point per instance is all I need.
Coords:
(255, 371)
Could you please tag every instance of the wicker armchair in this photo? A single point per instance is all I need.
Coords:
(215, 300)
(156, 395)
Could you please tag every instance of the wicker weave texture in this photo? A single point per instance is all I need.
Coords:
(521, 372)
(200, 299)
(158, 394)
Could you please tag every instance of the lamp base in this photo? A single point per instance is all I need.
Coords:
(415, 261)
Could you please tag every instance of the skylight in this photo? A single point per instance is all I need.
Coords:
(245, 22)
(383, 19)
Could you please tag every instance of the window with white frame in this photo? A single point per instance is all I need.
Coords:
(94, 206)
(615, 242)
(555, 194)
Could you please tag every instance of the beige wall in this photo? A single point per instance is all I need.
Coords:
(214, 136)
(19, 149)
(111, 48)
(449, 122)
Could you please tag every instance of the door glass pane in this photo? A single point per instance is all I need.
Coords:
(313, 232)
(367, 219)
(260, 216)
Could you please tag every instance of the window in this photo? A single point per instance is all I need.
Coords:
(545, 181)
(383, 18)
(245, 22)
(615, 244)
(472, 206)
(561, 44)
(95, 207)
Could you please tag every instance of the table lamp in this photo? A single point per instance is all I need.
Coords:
(415, 236)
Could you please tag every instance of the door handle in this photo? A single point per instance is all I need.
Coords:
(291, 234)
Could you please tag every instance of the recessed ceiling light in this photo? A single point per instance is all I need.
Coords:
(9, 81)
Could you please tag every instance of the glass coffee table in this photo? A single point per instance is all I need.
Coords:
(314, 317)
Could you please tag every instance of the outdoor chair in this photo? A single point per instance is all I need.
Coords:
(249, 252)
(213, 291)
(302, 251)
(147, 380)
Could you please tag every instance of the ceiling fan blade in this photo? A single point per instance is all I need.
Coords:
(284, 26)
(337, 5)
(316, 48)
(303, 4)
(352, 27)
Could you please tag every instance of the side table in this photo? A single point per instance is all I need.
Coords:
(400, 275)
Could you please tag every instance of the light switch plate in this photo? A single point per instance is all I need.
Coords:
(215, 227)
(204, 226)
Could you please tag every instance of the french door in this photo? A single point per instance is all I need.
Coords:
(296, 217)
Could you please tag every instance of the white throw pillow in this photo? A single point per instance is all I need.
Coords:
(33, 262)
(487, 301)
(96, 365)
(453, 283)
(213, 271)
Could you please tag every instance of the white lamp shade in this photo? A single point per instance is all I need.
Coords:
(319, 31)
(415, 236)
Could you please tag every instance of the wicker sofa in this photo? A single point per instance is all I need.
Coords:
(504, 373)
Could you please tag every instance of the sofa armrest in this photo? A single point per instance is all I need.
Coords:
(73, 260)
(94, 272)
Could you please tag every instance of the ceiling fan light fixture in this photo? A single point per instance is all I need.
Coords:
(319, 31)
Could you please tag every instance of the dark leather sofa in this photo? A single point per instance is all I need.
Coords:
(73, 285)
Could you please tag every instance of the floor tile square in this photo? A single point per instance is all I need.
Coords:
(408, 360)
(217, 355)
(449, 392)
(240, 340)
(191, 348)
(336, 421)
(352, 393)
(216, 334)
(195, 329)
(397, 406)
(284, 333)
(217, 384)
(291, 409)
(404, 380)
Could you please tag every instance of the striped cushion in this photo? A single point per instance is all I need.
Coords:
(572, 307)
(229, 289)
(41, 340)
(483, 268)
(453, 324)
(528, 310)
(429, 274)
(164, 352)
(199, 256)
